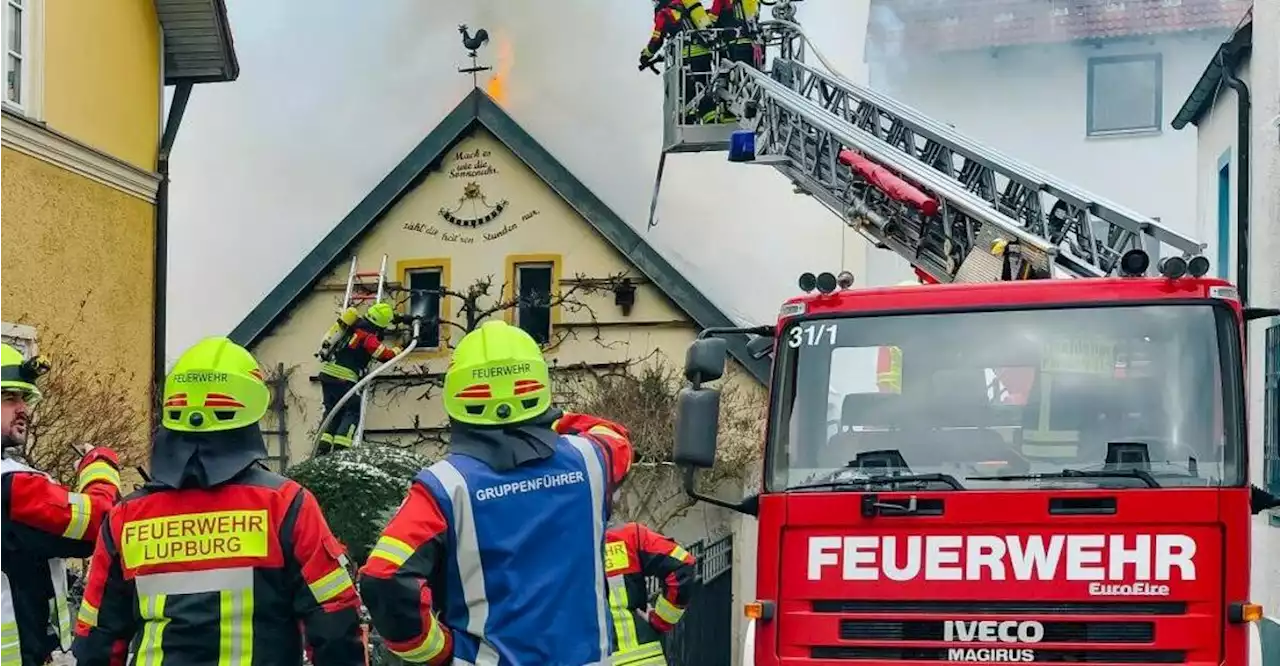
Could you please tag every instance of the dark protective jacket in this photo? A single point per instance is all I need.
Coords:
(362, 347)
(495, 556)
(634, 554)
(45, 522)
(218, 565)
(672, 18)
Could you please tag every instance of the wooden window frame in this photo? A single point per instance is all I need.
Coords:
(510, 291)
(443, 266)
(31, 71)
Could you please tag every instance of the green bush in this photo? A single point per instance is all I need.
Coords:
(359, 490)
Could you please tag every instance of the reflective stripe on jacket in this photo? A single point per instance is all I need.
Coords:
(476, 561)
(233, 575)
(634, 554)
(44, 522)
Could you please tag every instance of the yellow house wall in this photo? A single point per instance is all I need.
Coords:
(70, 241)
(536, 221)
(102, 76)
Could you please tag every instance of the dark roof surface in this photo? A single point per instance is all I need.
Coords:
(478, 109)
(1207, 87)
(958, 25)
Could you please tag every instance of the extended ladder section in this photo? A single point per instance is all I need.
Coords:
(359, 290)
(954, 208)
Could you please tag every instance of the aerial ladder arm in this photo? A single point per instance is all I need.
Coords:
(954, 208)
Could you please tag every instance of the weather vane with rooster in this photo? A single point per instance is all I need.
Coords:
(473, 43)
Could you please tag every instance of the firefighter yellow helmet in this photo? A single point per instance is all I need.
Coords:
(497, 377)
(215, 385)
(380, 314)
(19, 375)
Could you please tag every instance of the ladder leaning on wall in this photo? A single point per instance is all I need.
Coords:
(359, 291)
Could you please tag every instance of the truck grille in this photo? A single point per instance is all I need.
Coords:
(1041, 655)
(909, 626)
(1054, 632)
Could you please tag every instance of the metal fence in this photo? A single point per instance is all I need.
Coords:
(704, 636)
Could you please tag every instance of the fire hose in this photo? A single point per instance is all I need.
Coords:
(364, 381)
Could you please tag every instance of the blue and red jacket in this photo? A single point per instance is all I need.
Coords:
(502, 568)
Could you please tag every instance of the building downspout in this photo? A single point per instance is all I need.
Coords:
(181, 95)
(1243, 113)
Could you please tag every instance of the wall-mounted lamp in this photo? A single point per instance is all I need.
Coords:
(624, 296)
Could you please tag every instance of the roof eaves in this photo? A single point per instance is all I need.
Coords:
(205, 26)
(1205, 92)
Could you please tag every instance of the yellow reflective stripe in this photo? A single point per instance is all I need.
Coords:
(79, 523)
(679, 553)
(624, 621)
(334, 370)
(235, 628)
(392, 550)
(10, 647)
(98, 471)
(668, 611)
(150, 649)
(649, 654)
(60, 612)
(330, 585)
(88, 614)
(430, 647)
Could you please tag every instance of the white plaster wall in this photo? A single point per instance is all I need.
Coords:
(1030, 103)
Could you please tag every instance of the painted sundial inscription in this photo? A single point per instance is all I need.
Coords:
(470, 217)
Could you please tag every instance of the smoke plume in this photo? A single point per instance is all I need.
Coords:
(331, 99)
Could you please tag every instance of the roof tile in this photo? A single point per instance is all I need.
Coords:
(956, 25)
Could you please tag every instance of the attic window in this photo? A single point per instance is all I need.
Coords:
(1124, 95)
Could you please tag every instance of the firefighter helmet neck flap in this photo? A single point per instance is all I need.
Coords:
(497, 393)
(19, 377)
(213, 399)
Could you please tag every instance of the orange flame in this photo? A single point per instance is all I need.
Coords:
(497, 86)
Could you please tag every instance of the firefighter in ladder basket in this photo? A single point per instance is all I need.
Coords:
(495, 556)
(687, 17)
(217, 560)
(43, 523)
(633, 554)
(351, 344)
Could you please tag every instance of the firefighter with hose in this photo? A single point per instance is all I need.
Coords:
(633, 554)
(217, 560)
(495, 557)
(44, 522)
(350, 346)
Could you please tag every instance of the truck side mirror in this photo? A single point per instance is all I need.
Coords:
(705, 360)
(697, 423)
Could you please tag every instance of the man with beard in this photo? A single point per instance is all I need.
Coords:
(44, 522)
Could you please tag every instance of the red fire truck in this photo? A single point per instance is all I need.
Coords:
(1038, 456)
(1100, 515)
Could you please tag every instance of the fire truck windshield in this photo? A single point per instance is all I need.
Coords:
(1011, 393)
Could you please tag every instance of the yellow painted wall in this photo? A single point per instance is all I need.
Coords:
(535, 221)
(102, 76)
(68, 240)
